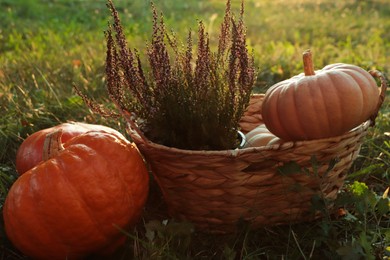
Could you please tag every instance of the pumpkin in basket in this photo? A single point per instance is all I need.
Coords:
(320, 104)
(260, 136)
(217, 187)
(79, 199)
(30, 151)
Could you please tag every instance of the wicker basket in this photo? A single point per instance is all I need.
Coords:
(217, 189)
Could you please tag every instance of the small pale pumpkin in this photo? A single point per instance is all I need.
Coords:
(320, 104)
(261, 136)
(78, 199)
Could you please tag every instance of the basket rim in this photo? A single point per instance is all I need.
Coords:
(240, 151)
(139, 138)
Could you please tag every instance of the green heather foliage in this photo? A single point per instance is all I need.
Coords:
(46, 46)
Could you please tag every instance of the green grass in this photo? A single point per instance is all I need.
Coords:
(47, 45)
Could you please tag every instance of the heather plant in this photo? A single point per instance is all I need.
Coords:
(181, 100)
(40, 41)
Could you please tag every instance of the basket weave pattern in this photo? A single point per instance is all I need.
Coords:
(216, 189)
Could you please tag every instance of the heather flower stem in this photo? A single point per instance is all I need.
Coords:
(180, 100)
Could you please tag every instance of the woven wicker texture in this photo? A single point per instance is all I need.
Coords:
(217, 189)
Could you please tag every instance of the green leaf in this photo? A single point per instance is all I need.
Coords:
(229, 253)
(369, 169)
(317, 203)
(383, 206)
(314, 164)
(366, 244)
(350, 252)
(350, 218)
(289, 168)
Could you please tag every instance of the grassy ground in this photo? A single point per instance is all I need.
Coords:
(47, 45)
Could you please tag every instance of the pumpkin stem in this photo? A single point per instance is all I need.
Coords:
(308, 66)
(52, 145)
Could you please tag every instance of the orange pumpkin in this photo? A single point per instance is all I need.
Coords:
(320, 104)
(30, 151)
(77, 201)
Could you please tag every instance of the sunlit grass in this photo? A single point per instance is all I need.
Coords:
(47, 46)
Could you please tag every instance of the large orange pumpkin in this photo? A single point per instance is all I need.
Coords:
(30, 151)
(320, 104)
(79, 199)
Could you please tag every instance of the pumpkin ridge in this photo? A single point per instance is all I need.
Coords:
(124, 181)
(28, 150)
(356, 98)
(115, 170)
(39, 211)
(99, 146)
(311, 89)
(129, 198)
(298, 123)
(65, 243)
(16, 222)
(339, 101)
(323, 95)
(359, 92)
(81, 199)
(279, 112)
(270, 109)
(367, 92)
